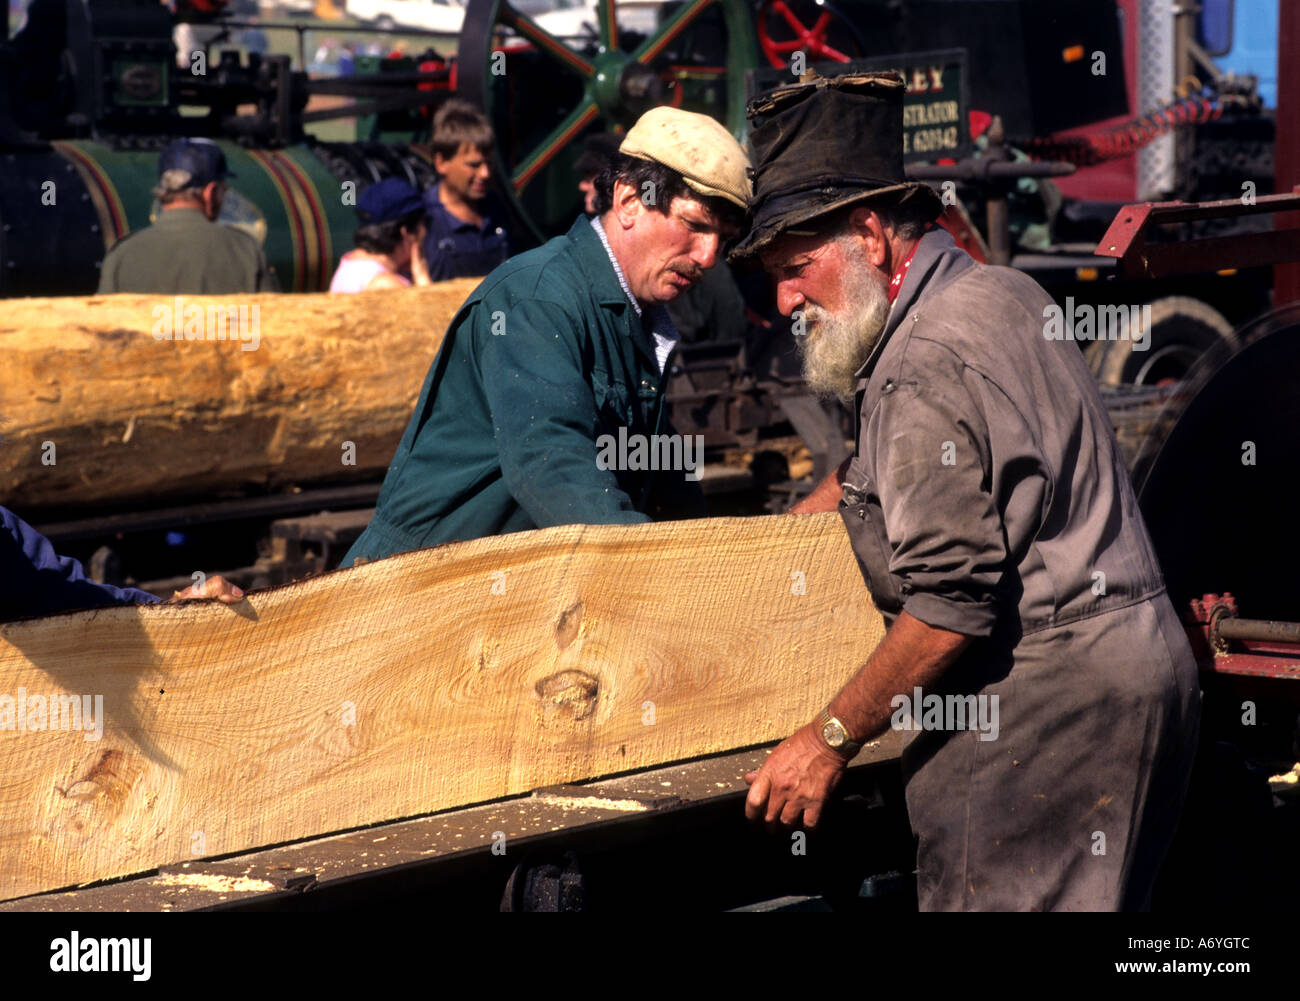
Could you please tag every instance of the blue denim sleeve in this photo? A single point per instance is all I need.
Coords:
(35, 580)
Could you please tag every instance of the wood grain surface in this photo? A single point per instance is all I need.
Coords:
(132, 417)
(425, 681)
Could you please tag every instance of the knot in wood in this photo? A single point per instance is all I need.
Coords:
(576, 689)
(110, 778)
(566, 628)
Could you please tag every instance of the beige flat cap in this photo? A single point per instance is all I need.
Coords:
(697, 147)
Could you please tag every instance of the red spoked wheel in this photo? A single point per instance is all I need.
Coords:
(781, 32)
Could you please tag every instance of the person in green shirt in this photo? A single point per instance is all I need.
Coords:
(185, 251)
(544, 405)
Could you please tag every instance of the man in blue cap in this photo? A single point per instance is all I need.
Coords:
(183, 252)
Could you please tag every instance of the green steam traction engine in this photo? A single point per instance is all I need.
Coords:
(90, 90)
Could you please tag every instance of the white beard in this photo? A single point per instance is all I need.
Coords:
(837, 345)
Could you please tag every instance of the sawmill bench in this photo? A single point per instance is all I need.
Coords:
(670, 838)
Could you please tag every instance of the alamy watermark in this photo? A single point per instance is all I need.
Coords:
(946, 712)
(1098, 323)
(654, 452)
(75, 954)
(53, 712)
(193, 322)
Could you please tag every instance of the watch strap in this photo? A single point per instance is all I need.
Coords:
(850, 747)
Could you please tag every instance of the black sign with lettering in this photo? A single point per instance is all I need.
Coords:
(936, 123)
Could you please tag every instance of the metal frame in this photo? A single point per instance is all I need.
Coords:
(1126, 239)
(1227, 644)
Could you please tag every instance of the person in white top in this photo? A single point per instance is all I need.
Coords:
(388, 240)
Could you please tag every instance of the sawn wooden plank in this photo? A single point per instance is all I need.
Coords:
(428, 680)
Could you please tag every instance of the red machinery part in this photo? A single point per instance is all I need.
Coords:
(1126, 239)
(433, 66)
(1268, 651)
(1126, 139)
(207, 8)
(809, 40)
(1286, 277)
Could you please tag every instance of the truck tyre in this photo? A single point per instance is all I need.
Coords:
(1181, 330)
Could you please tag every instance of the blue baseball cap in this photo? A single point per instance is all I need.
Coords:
(388, 200)
(202, 158)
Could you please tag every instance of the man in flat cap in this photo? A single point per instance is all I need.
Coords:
(1032, 654)
(561, 351)
(186, 251)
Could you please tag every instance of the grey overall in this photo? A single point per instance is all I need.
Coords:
(987, 497)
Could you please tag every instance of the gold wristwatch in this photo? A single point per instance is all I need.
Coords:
(836, 736)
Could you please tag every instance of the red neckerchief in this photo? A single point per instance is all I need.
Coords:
(896, 282)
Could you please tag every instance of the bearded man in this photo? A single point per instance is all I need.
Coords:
(996, 530)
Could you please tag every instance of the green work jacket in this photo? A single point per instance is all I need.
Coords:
(184, 253)
(545, 358)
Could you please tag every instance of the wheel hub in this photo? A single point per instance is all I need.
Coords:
(623, 88)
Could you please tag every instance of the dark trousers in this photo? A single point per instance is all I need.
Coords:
(1074, 804)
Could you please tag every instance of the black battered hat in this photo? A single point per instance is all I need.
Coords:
(823, 144)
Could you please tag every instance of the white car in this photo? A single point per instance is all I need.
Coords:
(432, 15)
(578, 19)
(274, 8)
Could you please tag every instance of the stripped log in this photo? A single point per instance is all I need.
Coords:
(95, 409)
(417, 683)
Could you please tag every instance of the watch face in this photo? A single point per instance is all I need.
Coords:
(833, 733)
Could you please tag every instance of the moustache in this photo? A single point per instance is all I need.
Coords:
(813, 317)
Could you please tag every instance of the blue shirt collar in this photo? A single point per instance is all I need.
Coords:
(433, 202)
